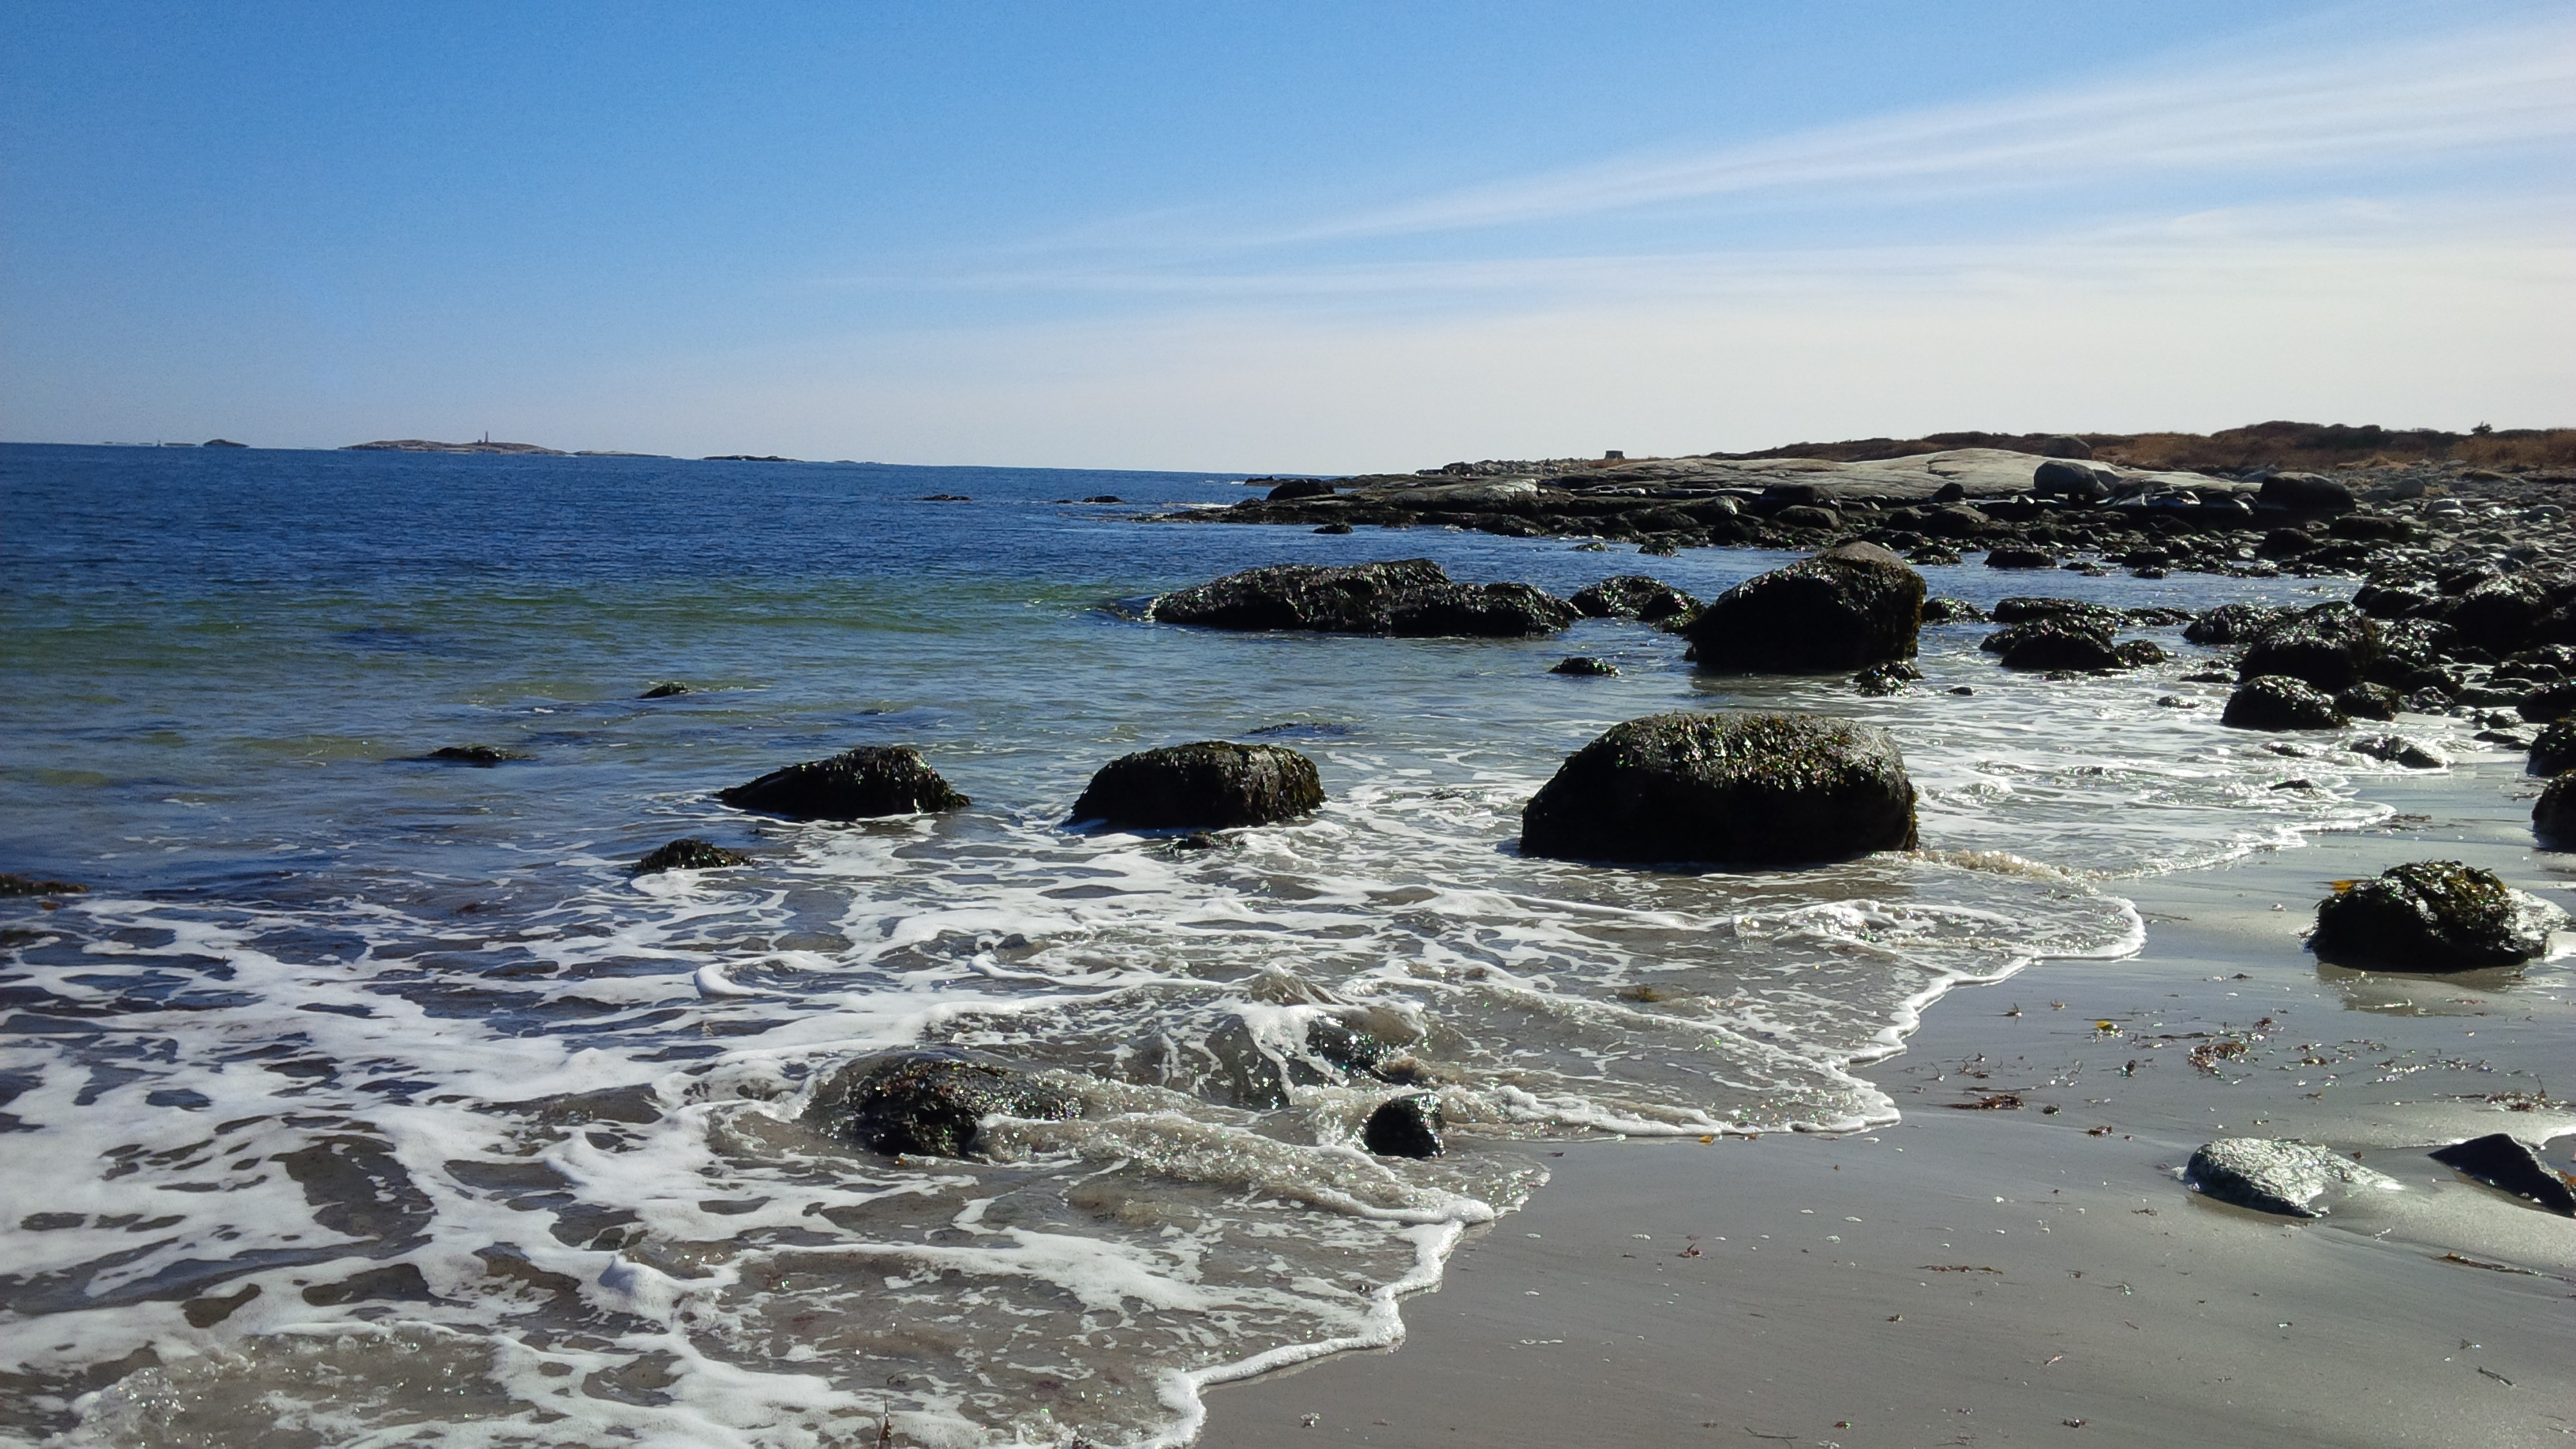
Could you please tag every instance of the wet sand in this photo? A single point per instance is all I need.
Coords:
(2038, 1275)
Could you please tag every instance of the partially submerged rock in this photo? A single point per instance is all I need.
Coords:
(2430, 915)
(929, 1104)
(2279, 702)
(2399, 750)
(858, 784)
(2054, 642)
(1849, 607)
(2505, 1163)
(689, 854)
(2273, 1176)
(27, 885)
(2553, 751)
(1407, 1126)
(667, 689)
(1632, 596)
(2230, 623)
(2553, 815)
(1210, 784)
(481, 756)
(1946, 610)
(1584, 664)
(1408, 597)
(1725, 789)
(1888, 678)
(2332, 646)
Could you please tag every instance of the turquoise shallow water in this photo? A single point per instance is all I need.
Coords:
(349, 1050)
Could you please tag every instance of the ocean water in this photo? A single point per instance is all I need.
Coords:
(367, 1099)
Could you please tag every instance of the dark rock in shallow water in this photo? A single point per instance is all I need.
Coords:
(1213, 783)
(1584, 664)
(664, 690)
(689, 855)
(858, 784)
(1932, 557)
(2230, 624)
(1888, 678)
(1404, 1127)
(1725, 789)
(2278, 702)
(2068, 642)
(2020, 558)
(1632, 596)
(1849, 607)
(27, 885)
(2498, 614)
(1952, 611)
(2554, 752)
(1336, 528)
(2399, 750)
(2332, 646)
(2553, 815)
(2505, 1163)
(928, 1104)
(2428, 915)
(2272, 1176)
(2548, 703)
(2022, 609)
(2370, 701)
(1408, 597)
(482, 756)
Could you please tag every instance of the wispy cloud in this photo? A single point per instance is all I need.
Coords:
(2392, 102)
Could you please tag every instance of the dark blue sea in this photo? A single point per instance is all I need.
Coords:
(366, 1098)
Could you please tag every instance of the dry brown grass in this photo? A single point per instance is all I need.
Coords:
(2275, 444)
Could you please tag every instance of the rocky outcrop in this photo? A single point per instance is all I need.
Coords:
(1408, 597)
(1849, 607)
(2274, 1176)
(2432, 915)
(2505, 1163)
(1632, 596)
(2279, 702)
(1726, 789)
(929, 1104)
(689, 855)
(1211, 784)
(1296, 488)
(858, 784)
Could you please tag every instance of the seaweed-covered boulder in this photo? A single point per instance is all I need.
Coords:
(2332, 646)
(2505, 1163)
(1849, 607)
(2554, 752)
(928, 1103)
(2370, 701)
(858, 784)
(2553, 815)
(2430, 915)
(1889, 678)
(2230, 624)
(1946, 610)
(2274, 1176)
(2548, 703)
(2401, 751)
(1406, 1126)
(2279, 702)
(2023, 608)
(690, 855)
(1632, 596)
(2498, 614)
(1725, 789)
(2067, 641)
(1206, 785)
(28, 885)
(1408, 597)
(1583, 664)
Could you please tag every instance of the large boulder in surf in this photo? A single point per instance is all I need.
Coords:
(2271, 1175)
(2279, 702)
(2553, 815)
(1852, 606)
(1725, 789)
(2332, 646)
(1208, 785)
(1408, 597)
(928, 1103)
(689, 854)
(2054, 641)
(1632, 596)
(2230, 623)
(2554, 751)
(2430, 915)
(857, 784)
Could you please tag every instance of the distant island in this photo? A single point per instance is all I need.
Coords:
(424, 445)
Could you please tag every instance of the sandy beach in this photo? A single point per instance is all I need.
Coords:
(2038, 1274)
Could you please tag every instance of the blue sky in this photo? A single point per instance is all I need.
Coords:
(1319, 236)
